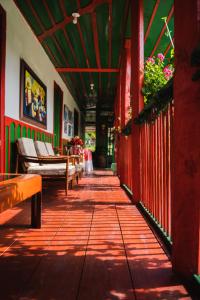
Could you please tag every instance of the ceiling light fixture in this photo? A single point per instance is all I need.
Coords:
(75, 16)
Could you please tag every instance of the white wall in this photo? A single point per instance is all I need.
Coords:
(22, 43)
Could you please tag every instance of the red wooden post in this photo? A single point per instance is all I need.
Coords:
(2, 86)
(186, 154)
(137, 62)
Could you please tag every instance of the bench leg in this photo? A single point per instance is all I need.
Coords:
(66, 186)
(36, 210)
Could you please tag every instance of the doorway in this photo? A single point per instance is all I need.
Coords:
(58, 111)
(2, 86)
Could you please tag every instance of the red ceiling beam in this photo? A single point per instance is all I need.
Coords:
(87, 70)
(85, 10)
(163, 30)
(109, 40)
(151, 19)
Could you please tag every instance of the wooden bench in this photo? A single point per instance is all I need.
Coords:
(15, 188)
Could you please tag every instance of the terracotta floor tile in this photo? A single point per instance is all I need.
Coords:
(93, 245)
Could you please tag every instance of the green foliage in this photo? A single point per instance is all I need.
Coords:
(159, 103)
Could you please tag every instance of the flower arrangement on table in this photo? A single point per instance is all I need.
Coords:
(156, 76)
(74, 145)
(75, 141)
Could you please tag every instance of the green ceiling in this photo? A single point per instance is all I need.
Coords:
(96, 41)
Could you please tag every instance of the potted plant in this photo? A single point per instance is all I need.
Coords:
(156, 75)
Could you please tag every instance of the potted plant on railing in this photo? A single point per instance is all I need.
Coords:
(157, 88)
(156, 76)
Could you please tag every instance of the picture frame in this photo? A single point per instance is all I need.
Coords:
(33, 97)
(65, 127)
(66, 113)
(70, 116)
(69, 129)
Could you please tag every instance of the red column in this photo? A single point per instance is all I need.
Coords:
(2, 86)
(186, 154)
(137, 62)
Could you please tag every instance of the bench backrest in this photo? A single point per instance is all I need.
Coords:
(26, 147)
(49, 149)
(41, 148)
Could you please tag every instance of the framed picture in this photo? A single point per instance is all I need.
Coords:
(70, 116)
(33, 97)
(66, 113)
(65, 127)
(69, 129)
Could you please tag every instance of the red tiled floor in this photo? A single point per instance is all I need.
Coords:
(93, 245)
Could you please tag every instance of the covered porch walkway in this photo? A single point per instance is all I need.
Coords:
(93, 245)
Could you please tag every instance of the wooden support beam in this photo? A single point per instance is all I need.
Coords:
(137, 62)
(186, 146)
(86, 70)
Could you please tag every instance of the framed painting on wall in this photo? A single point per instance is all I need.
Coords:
(33, 97)
(66, 113)
(69, 130)
(65, 127)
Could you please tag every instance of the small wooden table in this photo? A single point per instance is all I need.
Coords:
(15, 188)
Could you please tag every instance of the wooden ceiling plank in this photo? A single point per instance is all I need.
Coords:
(151, 19)
(84, 50)
(87, 70)
(55, 40)
(85, 10)
(124, 29)
(70, 45)
(62, 6)
(96, 39)
(74, 57)
(48, 12)
(163, 30)
(35, 15)
(56, 63)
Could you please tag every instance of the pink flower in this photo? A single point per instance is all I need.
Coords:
(161, 57)
(168, 72)
(150, 60)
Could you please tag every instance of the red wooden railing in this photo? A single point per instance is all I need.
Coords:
(155, 143)
(155, 167)
(124, 161)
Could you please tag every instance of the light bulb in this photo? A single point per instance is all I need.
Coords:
(75, 16)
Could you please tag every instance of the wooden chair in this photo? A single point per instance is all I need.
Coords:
(47, 166)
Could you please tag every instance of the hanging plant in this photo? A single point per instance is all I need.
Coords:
(159, 103)
(156, 75)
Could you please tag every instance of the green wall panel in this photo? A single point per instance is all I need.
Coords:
(24, 131)
(6, 149)
(29, 133)
(12, 147)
